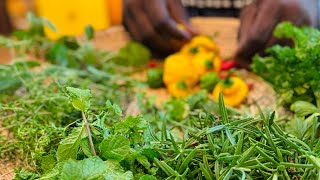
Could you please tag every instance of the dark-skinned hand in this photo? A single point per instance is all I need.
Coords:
(5, 25)
(155, 23)
(259, 19)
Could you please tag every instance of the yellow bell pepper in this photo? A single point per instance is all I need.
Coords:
(179, 89)
(200, 44)
(178, 67)
(233, 89)
(206, 62)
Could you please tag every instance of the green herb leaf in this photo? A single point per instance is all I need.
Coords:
(80, 98)
(91, 168)
(115, 147)
(69, 146)
(115, 172)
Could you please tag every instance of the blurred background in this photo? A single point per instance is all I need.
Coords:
(69, 17)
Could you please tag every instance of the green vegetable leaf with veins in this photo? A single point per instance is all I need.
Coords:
(115, 172)
(80, 98)
(69, 146)
(115, 147)
(91, 168)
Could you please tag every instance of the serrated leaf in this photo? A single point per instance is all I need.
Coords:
(85, 146)
(69, 146)
(54, 173)
(80, 98)
(130, 123)
(115, 172)
(91, 168)
(115, 147)
(113, 109)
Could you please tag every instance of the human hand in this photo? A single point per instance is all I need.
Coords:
(155, 23)
(259, 19)
(5, 24)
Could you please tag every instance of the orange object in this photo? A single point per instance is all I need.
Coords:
(115, 11)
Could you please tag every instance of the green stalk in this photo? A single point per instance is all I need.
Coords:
(89, 133)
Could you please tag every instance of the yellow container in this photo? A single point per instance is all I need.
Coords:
(72, 16)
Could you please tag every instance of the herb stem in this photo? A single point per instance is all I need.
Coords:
(89, 134)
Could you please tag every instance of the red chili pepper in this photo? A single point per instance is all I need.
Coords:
(152, 63)
(227, 64)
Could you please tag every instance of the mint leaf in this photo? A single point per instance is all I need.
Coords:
(69, 146)
(113, 109)
(115, 172)
(91, 168)
(54, 173)
(85, 146)
(115, 147)
(80, 98)
(130, 123)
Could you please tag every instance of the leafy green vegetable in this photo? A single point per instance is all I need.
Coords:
(69, 147)
(133, 54)
(115, 147)
(80, 98)
(115, 172)
(91, 168)
(294, 72)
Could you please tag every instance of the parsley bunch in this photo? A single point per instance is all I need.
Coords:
(294, 72)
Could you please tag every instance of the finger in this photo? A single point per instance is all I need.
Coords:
(159, 17)
(179, 15)
(247, 18)
(177, 11)
(131, 27)
(295, 15)
(147, 33)
(268, 14)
